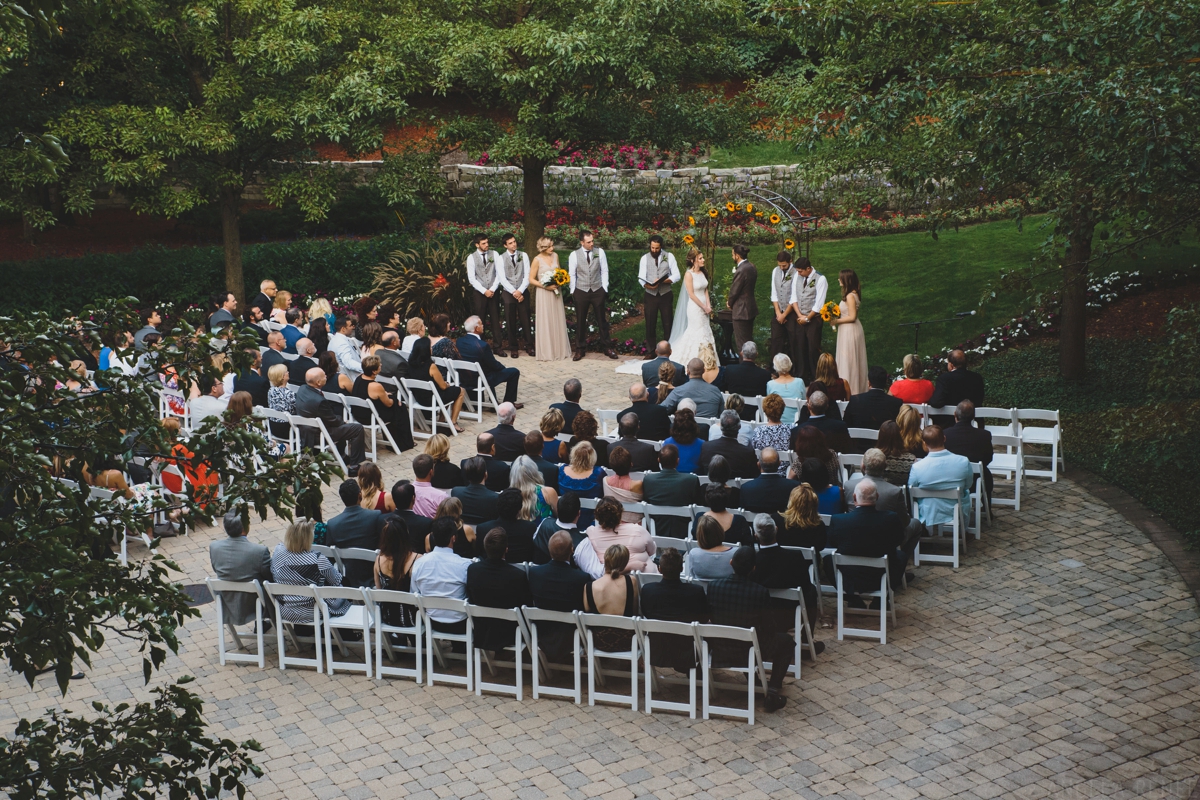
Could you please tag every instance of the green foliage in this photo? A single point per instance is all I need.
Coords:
(428, 281)
(1176, 373)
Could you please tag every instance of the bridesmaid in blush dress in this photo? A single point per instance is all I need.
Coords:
(550, 326)
(851, 343)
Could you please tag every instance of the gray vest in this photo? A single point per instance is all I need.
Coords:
(485, 267)
(781, 281)
(655, 272)
(511, 271)
(806, 296)
(587, 276)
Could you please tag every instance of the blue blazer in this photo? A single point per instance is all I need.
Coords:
(472, 348)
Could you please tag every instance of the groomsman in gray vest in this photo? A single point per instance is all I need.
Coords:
(484, 278)
(809, 288)
(514, 278)
(740, 300)
(588, 268)
(785, 334)
(658, 272)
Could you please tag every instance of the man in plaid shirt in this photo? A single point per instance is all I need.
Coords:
(742, 603)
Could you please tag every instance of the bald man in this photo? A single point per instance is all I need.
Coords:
(311, 403)
(274, 353)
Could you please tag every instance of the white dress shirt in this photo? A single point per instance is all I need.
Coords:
(587, 560)
(473, 279)
(206, 406)
(596, 253)
(738, 264)
(442, 573)
(523, 283)
(348, 355)
(822, 285)
(407, 346)
(647, 259)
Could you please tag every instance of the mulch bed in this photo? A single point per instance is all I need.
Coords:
(1142, 316)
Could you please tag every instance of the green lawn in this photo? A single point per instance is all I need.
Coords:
(909, 277)
(752, 154)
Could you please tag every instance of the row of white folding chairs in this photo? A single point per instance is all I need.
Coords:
(295, 425)
(375, 425)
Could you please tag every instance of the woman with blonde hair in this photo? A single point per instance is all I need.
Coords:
(283, 301)
(446, 475)
(538, 502)
(909, 422)
(713, 373)
(293, 562)
(913, 387)
(550, 339)
(666, 382)
(802, 525)
(464, 540)
(321, 308)
(582, 477)
(370, 485)
(415, 328)
(827, 373)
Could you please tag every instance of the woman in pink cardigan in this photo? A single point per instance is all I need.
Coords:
(610, 530)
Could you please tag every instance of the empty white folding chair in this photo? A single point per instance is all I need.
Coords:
(278, 428)
(661, 542)
(680, 512)
(958, 528)
(283, 627)
(434, 638)
(538, 619)
(800, 625)
(358, 556)
(1003, 420)
(851, 463)
(380, 601)
(357, 618)
(607, 418)
(684, 634)
(519, 647)
(866, 435)
(1012, 462)
(480, 395)
(216, 587)
(434, 406)
(596, 673)
(316, 428)
(883, 594)
(1039, 435)
(756, 675)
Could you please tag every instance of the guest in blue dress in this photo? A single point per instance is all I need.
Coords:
(683, 436)
(551, 426)
(582, 477)
(829, 496)
(786, 386)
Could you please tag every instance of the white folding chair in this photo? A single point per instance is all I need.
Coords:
(519, 648)
(1006, 418)
(537, 617)
(958, 539)
(480, 395)
(357, 618)
(360, 554)
(814, 575)
(683, 512)
(375, 424)
(754, 668)
(607, 416)
(433, 650)
(284, 627)
(331, 554)
(928, 412)
(1011, 462)
(325, 442)
(216, 587)
(979, 503)
(1042, 436)
(661, 542)
(165, 396)
(883, 594)
(800, 625)
(377, 600)
(596, 673)
(658, 629)
(435, 407)
(865, 434)
(842, 405)
(278, 427)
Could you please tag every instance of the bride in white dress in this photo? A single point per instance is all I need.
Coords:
(692, 328)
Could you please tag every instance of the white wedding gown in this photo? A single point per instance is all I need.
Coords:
(685, 343)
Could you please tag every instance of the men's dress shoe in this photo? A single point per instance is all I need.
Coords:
(515, 354)
(578, 355)
(610, 353)
(819, 647)
(531, 351)
(773, 701)
(352, 471)
(518, 406)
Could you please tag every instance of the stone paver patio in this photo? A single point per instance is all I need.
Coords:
(1060, 661)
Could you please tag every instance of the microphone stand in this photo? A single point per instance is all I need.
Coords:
(916, 326)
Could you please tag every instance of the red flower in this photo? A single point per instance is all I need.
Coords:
(440, 282)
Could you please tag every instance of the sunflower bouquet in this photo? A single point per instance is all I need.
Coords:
(830, 311)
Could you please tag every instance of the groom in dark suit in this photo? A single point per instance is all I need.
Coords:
(741, 296)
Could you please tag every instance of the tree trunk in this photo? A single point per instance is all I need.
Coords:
(231, 236)
(1072, 336)
(534, 205)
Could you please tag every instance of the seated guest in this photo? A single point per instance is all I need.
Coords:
(510, 442)
(708, 398)
(538, 501)
(675, 601)
(446, 475)
(787, 386)
(747, 378)
(466, 544)
(740, 457)
(868, 532)
(387, 408)
(558, 586)
(829, 496)
(318, 332)
(585, 428)
(393, 570)
(497, 470)
(909, 421)
(889, 497)
(768, 493)
(209, 400)
(370, 482)
(874, 406)
(774, 434)
(836, 433)
(336, 381)
(306, 360)
(253, 380)
(371, 336)
(666, 383)
(551, 426)
(956, 384)
(344, 346)
(404, 495)
(971, 441)
(391, 363)
(478, 502)
(670, 487)
(443, 573)
(534, 449)
(654, 421)
(833, 411)
(311, 402)
(291, 333)
(609, 530)
(809, 442)
(642, 457)
(651, 369)
(566, 520)
(899, 458)
(519, 532)
(421, 367)
(941, 469)
(836, 387)
(736, 404)
(740, 602)
(776, 568)
(279, 396)
(354, 527)
(613, 592)
(151, 319)
(428, 497)
(572, 392)
(736, 528)
(720, 474)
(801, 524)
(711, 559)
(473, 348)
(713, 373)
(912, 388)
(415, 329)
(293, 562)
(235, 558)
(582, 477)
(620, 486)
(685, 439)
(274, 353)
(241, 406)
(495, 583)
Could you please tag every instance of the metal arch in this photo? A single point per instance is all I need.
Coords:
(806, 225)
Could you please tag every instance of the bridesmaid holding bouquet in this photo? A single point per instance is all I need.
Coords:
(851, 343)
(550, 328)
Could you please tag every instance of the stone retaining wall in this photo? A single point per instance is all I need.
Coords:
(461, 177)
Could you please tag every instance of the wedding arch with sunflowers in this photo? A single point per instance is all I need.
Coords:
(757, 208)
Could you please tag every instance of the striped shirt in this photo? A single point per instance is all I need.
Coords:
(303, 569)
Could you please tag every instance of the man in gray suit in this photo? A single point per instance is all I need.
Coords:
(708, 398)
(236, 559)
(391, 363)
(670, 487)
